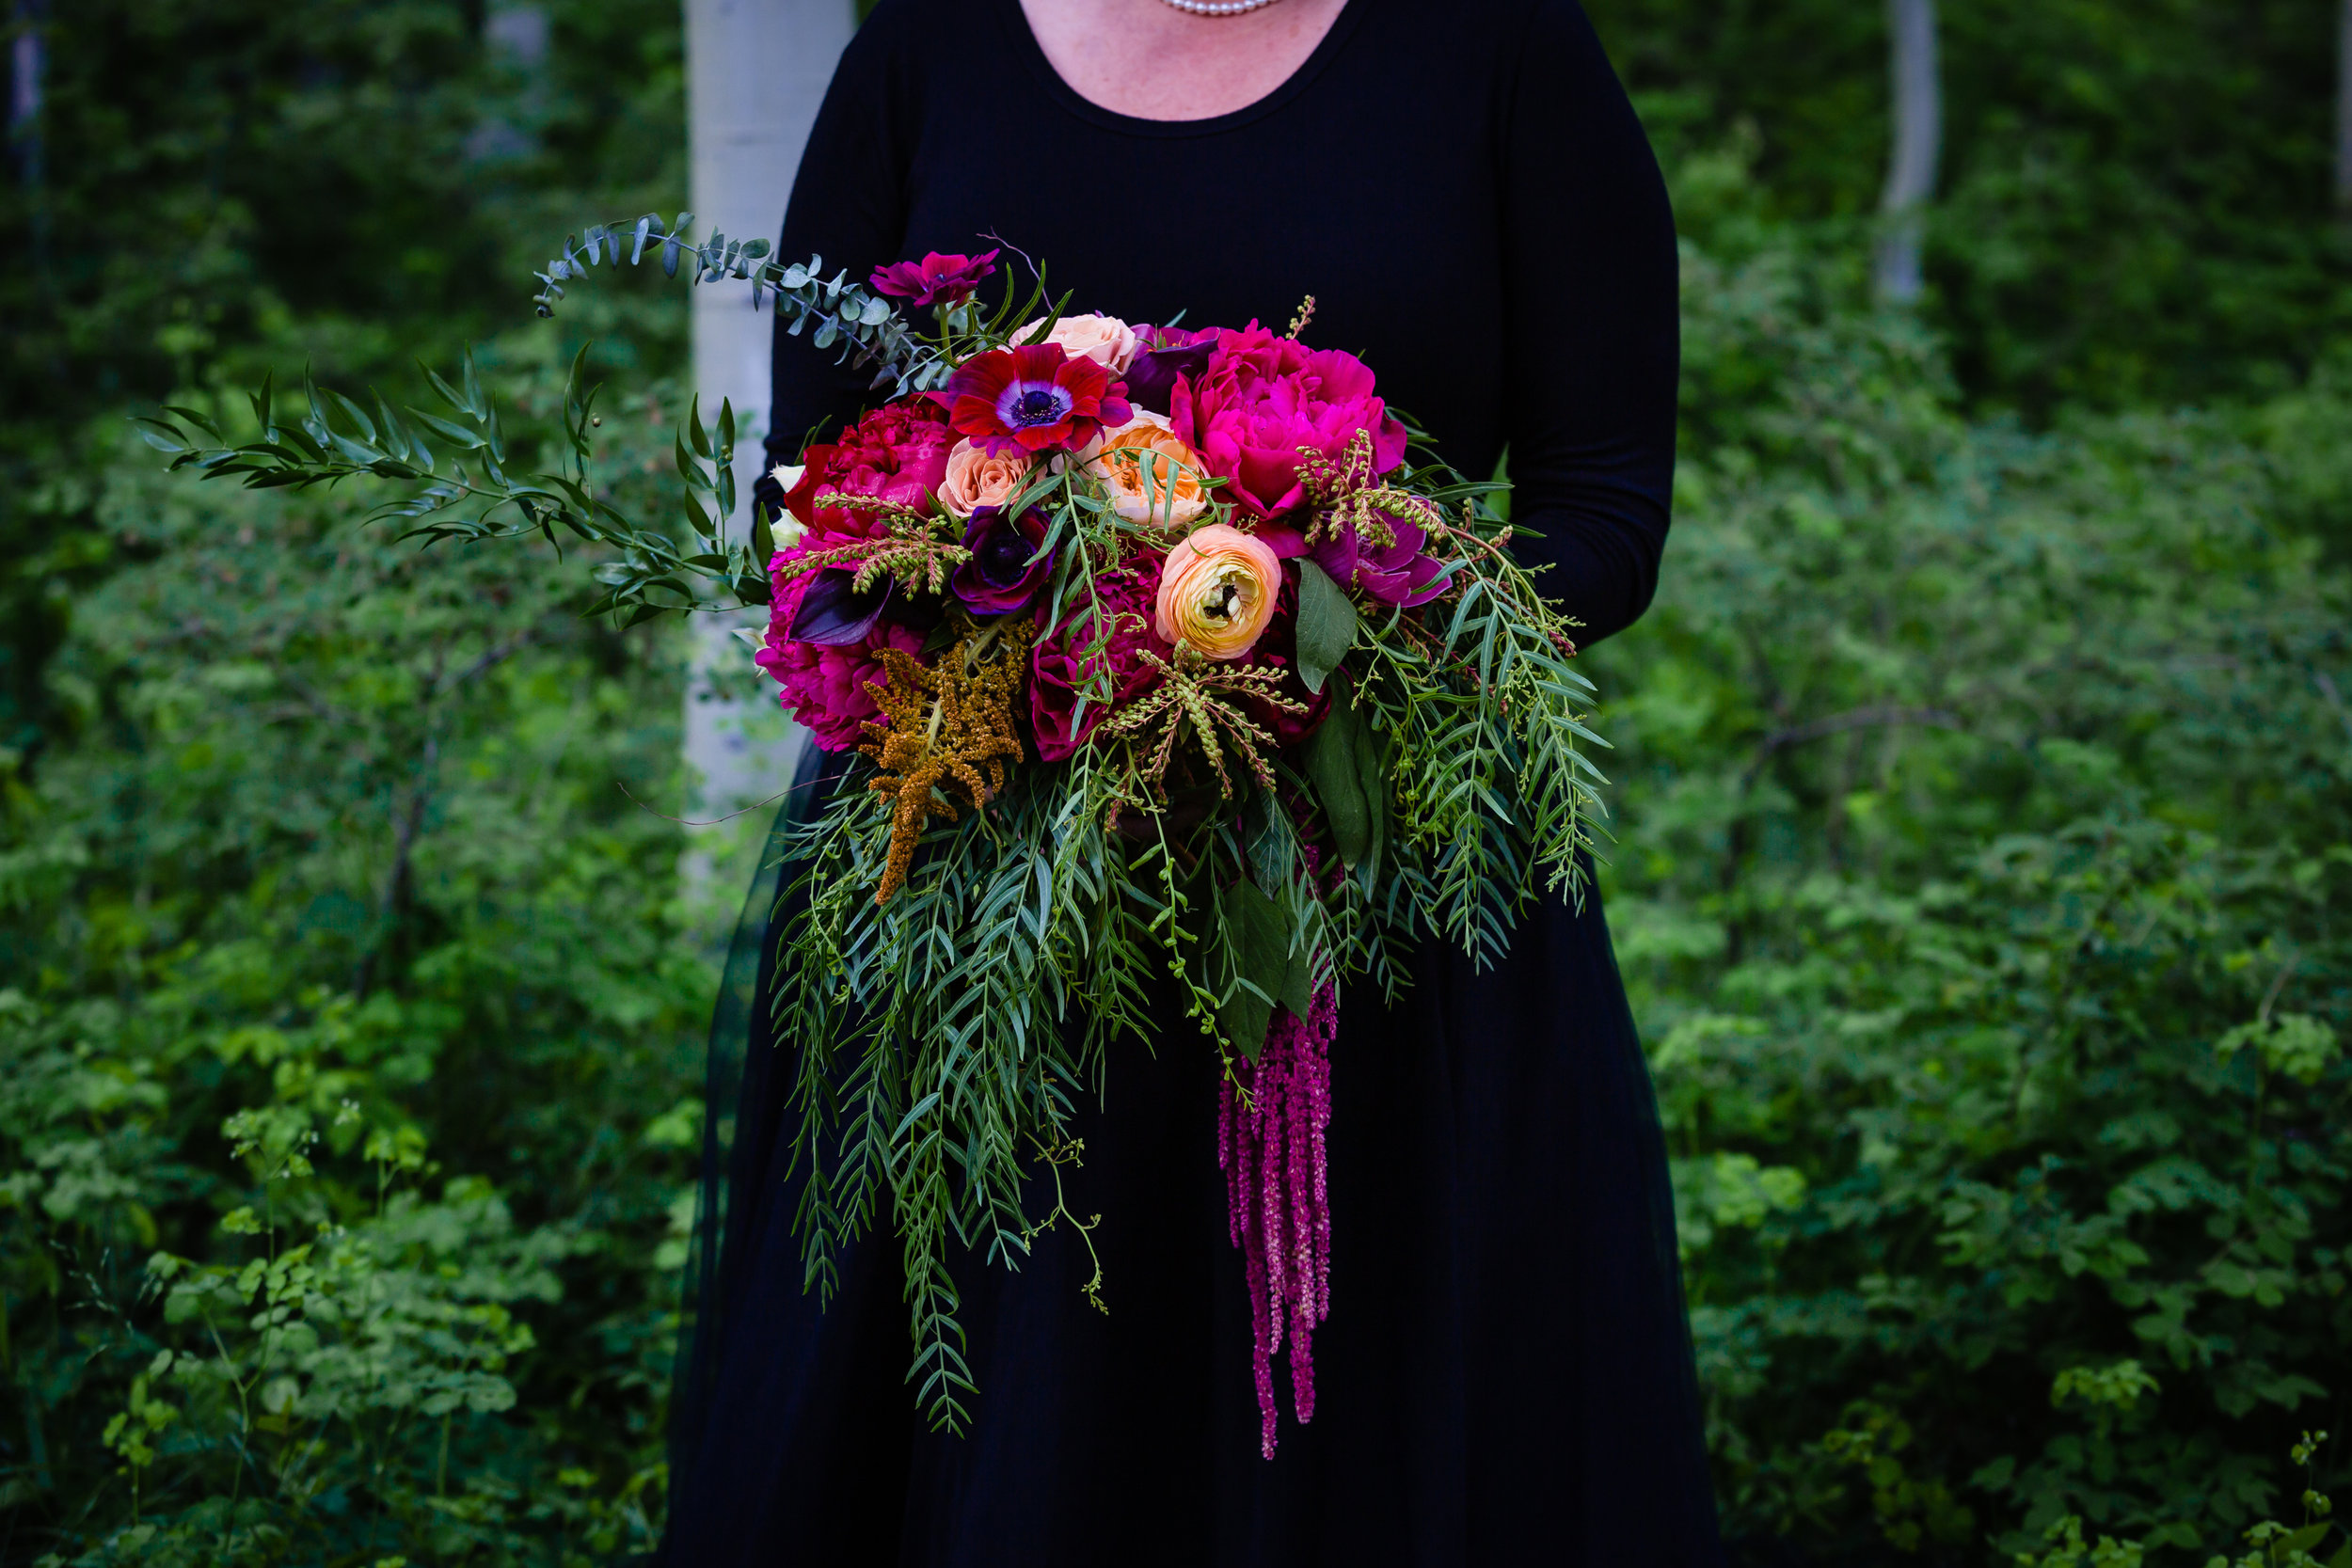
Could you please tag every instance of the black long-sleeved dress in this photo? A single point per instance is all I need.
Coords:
(1505, 1375)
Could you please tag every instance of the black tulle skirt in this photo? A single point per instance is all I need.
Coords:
(1505, 1378)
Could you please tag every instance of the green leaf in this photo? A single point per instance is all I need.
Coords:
(763, 538)
(2306, 1537)
(1259, 938)
(447, 431)
(1298, 983)
(1372, 777)
(1327, 624)
(1331, 769)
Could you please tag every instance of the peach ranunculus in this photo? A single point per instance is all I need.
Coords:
(1216, 591)
(1152, 475)
(975, 479)
(1106, 340)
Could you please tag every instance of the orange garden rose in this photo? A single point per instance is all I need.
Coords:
(976, 478)
(1152, 476)
(1216, 591)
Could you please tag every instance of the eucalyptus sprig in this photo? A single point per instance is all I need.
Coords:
(868, 327)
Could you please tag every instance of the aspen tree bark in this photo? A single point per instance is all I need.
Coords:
(28, 62)
(1919, 127)
(756, 71)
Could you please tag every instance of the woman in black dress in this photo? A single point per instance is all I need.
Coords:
(1505, 1375)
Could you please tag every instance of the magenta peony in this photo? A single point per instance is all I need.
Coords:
(825, 688)
(1262, 398)
(897, 454)
(1060, 663)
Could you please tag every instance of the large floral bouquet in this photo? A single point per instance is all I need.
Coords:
(1177, 679)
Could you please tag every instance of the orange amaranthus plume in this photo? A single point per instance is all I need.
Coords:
(946, 730)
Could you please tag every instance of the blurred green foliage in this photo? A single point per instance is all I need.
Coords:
(1984, 888)
(2135, 199)
(1981, 875)
(349, 1012)
(231, 184)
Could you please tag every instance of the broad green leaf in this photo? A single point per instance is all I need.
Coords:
(1336, 772)
(1327, 624)
(1259, 939)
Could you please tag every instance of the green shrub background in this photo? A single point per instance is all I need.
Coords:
(1983, 774)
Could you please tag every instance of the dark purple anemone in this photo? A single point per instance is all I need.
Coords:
(1167, 353)
(1006, 570)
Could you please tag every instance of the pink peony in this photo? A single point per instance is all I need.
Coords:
(825, 688)
(897, 454)
(1060, 665)
(1263, 397)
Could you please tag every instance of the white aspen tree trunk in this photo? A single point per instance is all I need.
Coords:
(756, 73)
(1919, 126)
(2343, 110)
(28, 62)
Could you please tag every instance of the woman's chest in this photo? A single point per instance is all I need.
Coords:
(1396, 230)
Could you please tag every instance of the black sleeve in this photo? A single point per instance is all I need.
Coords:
(849, 206)
(1592, 323)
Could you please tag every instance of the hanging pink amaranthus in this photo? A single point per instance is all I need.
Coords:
(1269, 1143)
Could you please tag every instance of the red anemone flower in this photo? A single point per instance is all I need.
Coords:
(1031, 397)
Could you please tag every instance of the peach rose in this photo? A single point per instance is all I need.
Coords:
(1152, 475)
(1106, 340)
(1216, 591)
(975, 479)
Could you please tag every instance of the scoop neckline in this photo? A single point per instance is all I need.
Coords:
(1024, 42)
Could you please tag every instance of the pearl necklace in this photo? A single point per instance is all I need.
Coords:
(1219, 8)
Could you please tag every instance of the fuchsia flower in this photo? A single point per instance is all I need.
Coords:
(1398, 573)
(1278, 1194)
(898, 453)
(936, 279)
(1262, 398)
(1031, 397)
(1068, 654)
